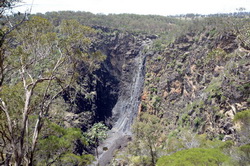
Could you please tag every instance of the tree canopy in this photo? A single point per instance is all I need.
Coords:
(38, 70)
(193, 157)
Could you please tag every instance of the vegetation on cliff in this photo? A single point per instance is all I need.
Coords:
(40, 63)
(62, 72)
(193, 157)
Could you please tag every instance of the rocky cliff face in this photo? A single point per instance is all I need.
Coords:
(114, 90)
(199, 81)
(112, 93)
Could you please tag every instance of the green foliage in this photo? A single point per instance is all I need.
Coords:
(156, 101)
(241, 155)
(173, 144)
(153, 89)
(173, 133)
(184, 120)
(38, 70)
(126, 22)
(97, 133)
(245, 88)
(140, 160)
(158, 79)
(14, 95)
(147, 142)
(246, 150)
(214, 143)
(158, 45)
(147, 134)
(241, 28)
(243, 116)
(72, 159)
(197, 121)
(193, 157)
(227, 145)
(186, 139)
(58, 145)
(214, 89)
(212, 32)
(144, 106)
(148, 75)
(216, 55)
(196, 105)
(65, 38)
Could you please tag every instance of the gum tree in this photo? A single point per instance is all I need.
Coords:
(96, 134)
(6, 27)
(43, 65)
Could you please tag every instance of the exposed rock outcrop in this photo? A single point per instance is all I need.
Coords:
(131, 84)
(201, 81)
(97, 94)
(114, 90)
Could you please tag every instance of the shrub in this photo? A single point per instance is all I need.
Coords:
(194, 157)
(246, 150)
(243, 116)
(197, 121)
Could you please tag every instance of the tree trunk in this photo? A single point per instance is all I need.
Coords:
(96, 147)
(96, 152)
(152, 153)
(7, 160)
(35, 138)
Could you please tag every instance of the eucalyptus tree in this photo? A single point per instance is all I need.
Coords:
(148, 131)
(96, 134)
(43, 60)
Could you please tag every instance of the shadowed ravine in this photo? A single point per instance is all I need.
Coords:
(125, 111)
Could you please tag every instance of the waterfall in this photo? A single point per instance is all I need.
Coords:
(127, 107)
(125, 110)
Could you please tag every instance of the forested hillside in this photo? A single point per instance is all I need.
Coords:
(78, 88)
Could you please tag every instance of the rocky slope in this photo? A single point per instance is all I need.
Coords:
(200, 81)
(112, 94)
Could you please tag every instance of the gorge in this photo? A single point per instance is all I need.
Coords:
(165, 88)
(127, 106)
(185, 83)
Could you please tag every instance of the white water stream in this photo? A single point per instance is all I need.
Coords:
(126, 110)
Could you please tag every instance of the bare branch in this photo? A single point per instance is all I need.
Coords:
(25, 18)
(40, 80)
(30, 77)
(5, 110)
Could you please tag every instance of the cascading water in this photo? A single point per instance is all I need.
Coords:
(125, 110)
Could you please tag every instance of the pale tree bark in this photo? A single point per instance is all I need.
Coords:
(45, 107)
(9, 123)
(59, 74)
(3, 67)
(18, 146)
